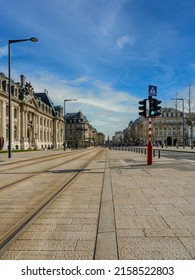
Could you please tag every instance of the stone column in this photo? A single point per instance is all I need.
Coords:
(22, 128)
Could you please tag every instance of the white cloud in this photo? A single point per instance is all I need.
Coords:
(3, 51)
(107, 109)
(124, 40)
(77, 81)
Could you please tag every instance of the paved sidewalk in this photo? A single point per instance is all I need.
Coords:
(119, 208)
(154, 207)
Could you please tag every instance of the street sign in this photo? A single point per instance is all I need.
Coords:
(152, 90)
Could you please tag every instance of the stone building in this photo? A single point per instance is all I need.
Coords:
(171, 128)
(79, 133)
(118, 137)
(100, 138)
(35, 122)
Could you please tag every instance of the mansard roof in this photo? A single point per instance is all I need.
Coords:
(76, 116)
(169, 109)
(44, 97)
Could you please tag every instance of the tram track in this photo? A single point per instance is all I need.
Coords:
(16, 229)
(38, 161)
(23, 162)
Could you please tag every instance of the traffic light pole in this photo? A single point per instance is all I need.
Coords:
(149, 154)
(152, 112)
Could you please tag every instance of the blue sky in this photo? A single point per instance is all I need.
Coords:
(105, 53)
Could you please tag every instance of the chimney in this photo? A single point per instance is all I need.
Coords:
(23, 81)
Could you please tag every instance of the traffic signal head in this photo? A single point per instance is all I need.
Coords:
(142, 108)
(154, 107)
(158, 108)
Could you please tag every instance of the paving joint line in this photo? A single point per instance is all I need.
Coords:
(106, 242)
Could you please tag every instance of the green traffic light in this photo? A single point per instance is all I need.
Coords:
(154, 108)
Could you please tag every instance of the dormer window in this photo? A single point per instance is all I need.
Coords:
(16, 92)
(4, 85)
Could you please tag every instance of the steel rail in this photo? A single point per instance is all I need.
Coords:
(7, 238)
(44, 158)
(34, 174)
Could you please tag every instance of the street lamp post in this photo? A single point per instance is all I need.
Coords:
(33, 39)
(65, 100)
(182, 118)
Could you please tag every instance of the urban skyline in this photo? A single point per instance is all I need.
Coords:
(103, 53)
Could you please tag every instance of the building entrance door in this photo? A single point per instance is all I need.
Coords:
(169, 141)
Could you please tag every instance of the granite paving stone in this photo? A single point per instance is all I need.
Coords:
(181, 222)
(37, 255)
(11, 255)
(189, 244)
(153, 248)
(26, 245)
(147, 212)
(140, 222)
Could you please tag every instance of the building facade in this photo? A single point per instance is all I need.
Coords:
(171, 128)
(36, 123)
(118, 138)
(79, 133)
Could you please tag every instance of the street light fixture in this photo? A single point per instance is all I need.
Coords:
(32, 39)
(65, 100)
(182, 118)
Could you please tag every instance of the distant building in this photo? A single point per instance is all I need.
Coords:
(171, 128)
(168, 128)
(118, 137)
(79, 133)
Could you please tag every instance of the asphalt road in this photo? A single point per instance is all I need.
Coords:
(178, 155)
(180, 160)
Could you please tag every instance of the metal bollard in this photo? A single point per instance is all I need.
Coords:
(158, 153)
